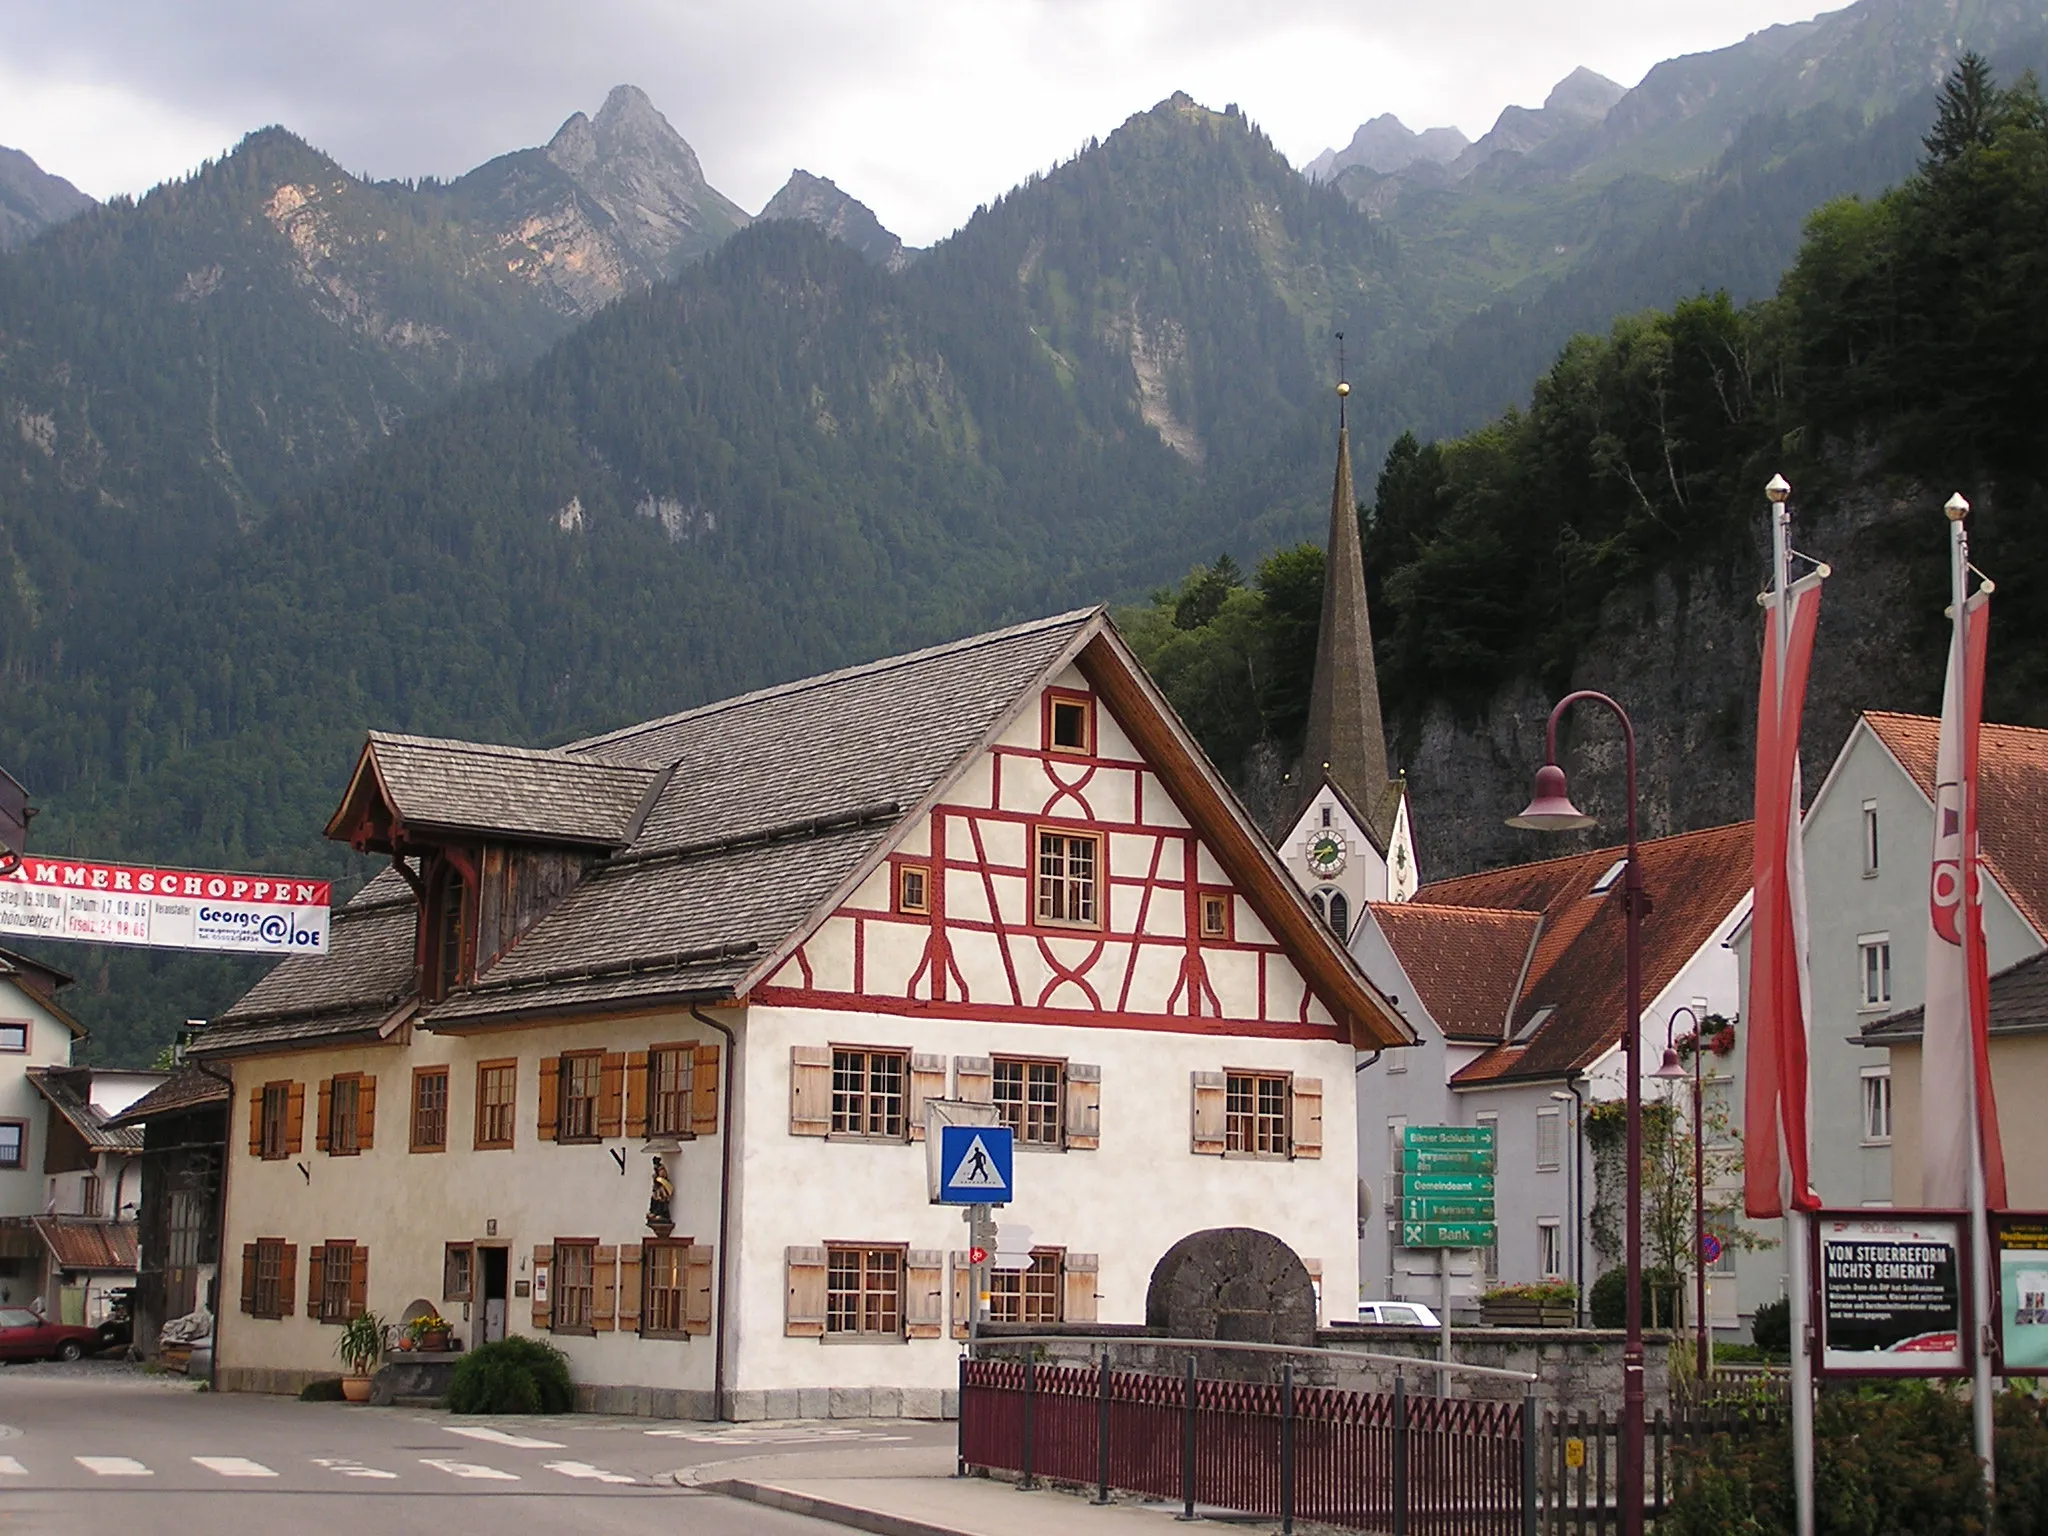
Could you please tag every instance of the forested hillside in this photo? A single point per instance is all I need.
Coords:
(1611, 531)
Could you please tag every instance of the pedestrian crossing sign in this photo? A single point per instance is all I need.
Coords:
(974, 1165)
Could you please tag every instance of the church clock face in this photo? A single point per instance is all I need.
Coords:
(1326, 852)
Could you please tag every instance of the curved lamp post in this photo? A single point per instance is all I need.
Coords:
(1671, 1071)
(1550, 809)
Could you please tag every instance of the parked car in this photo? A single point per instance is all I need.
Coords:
(1398, 1314)
(25, 1336)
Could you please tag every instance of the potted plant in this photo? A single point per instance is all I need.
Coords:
(360, 1345)
(1549, 1304)
(429, 1332)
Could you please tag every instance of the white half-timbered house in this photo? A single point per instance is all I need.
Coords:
(753, 939)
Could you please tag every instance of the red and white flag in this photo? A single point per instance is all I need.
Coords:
(1955, 1075)
(1777, 1108)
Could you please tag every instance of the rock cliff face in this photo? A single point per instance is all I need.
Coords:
(1684, 663)
(31, 199)
(1388, 144)
(818, 200)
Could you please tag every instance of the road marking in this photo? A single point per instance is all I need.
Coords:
(500, 1437)
(468, 1469)
(234, 1466)
(113, 1466)
(9, 1467)
(348, 1467)
(585, 1469)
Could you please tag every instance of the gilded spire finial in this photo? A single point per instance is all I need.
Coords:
(1343, 384)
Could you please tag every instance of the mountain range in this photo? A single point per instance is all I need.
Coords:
(571, 440)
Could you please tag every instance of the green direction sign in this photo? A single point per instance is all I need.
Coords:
(1471, 1138)
(1447, 1160)
(1470, 1185)
(1432, 1209)
(1447, 1234)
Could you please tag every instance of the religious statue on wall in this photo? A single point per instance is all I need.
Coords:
(659, 1198)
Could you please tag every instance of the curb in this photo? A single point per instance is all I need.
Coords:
(873, 1520)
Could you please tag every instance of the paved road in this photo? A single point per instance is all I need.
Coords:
(89, 1450)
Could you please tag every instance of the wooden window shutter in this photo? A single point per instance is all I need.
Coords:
(295, 1120)
(697, 1281)
(962, 1290)
(1078, 1274)
(366, 1111)
(611, 1094)
(288, 1281)
(316, 1271)
(704, 1091)
(322, 1121)
(1305, 1136)
(550, 1095)
(604, 1286)
(1209, 1093)
(927, 1081)
(974, 1079)
(629, 1287)
(358, 1280)
(636, 1095)
(924, 1293)
(1084, 1106)
(810, 1090)
(803, 1313)
(543, 1295)
(256, 1121)
(249, 1270)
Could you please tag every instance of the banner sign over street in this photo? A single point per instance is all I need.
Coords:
(155, 908)
(1891, 1293)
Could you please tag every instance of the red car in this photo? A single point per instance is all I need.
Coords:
(25, 1336)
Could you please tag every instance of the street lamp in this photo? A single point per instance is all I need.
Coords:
(1671, 1072)
(1550, 809)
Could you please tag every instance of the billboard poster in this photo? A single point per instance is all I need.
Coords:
(156, 908)
(2021, 1244)
(1891, 1293)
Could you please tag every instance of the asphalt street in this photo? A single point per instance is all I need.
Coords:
(91, 1449)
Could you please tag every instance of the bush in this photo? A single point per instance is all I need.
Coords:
(2022, 1466)
(321, 1389)
(1771, 1328)
(514, 1375)
(1608, 1301)
(1549, 1293)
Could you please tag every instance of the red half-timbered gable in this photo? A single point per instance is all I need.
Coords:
(1057, 880)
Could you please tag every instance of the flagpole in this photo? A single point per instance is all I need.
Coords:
(1799, 1301)
(1967, 910)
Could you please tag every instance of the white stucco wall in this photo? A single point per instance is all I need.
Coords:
(49, 1045)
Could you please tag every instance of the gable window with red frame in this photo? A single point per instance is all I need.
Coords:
(1069, 875)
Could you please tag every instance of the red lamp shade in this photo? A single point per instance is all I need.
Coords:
(1551, 808)
(1671, 1068)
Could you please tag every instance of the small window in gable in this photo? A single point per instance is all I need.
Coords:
(1068, 865)
(914, 889)
(1069, 722)
(1215, 915)
(1329, 816)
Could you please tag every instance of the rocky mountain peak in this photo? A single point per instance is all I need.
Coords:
(1583, 94)
(31, 199)
(819, 200)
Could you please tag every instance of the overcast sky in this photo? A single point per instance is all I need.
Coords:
(921, 108)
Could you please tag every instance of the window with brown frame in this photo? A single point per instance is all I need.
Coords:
(344, 1114)
(339, 1283)
(1027, 1295)
(914, 889)
(661, 1288)
(14, 1036)
(1215, 915)
(277, 1104)
(13, 1143)
(446, 923)
(1069, 723)
(863, 1292)
(458, 1272)
(1029, 1097)
(1069, 866)
(272, 1288)
(868, 1092)
(1255, 1113)
(497, 1096)
(671, 1080)
(575, 1287)
(429, 1109)
(581, 1079)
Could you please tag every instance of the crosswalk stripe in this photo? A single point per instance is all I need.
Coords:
(468, 1469)
(234, 1466)
(349, 1467)
(113, 1466)
(501, 1437)
(585, 1469)
(9, 1467)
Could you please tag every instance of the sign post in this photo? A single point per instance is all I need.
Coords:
(970, 1161)
(1447, 1174)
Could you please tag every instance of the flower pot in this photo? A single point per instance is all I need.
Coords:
(434, 1340)
(355, 1389)
(1518, 1312)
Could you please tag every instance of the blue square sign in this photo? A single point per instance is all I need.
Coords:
(974, 1165)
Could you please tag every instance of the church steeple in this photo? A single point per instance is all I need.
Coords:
(1346, 741)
